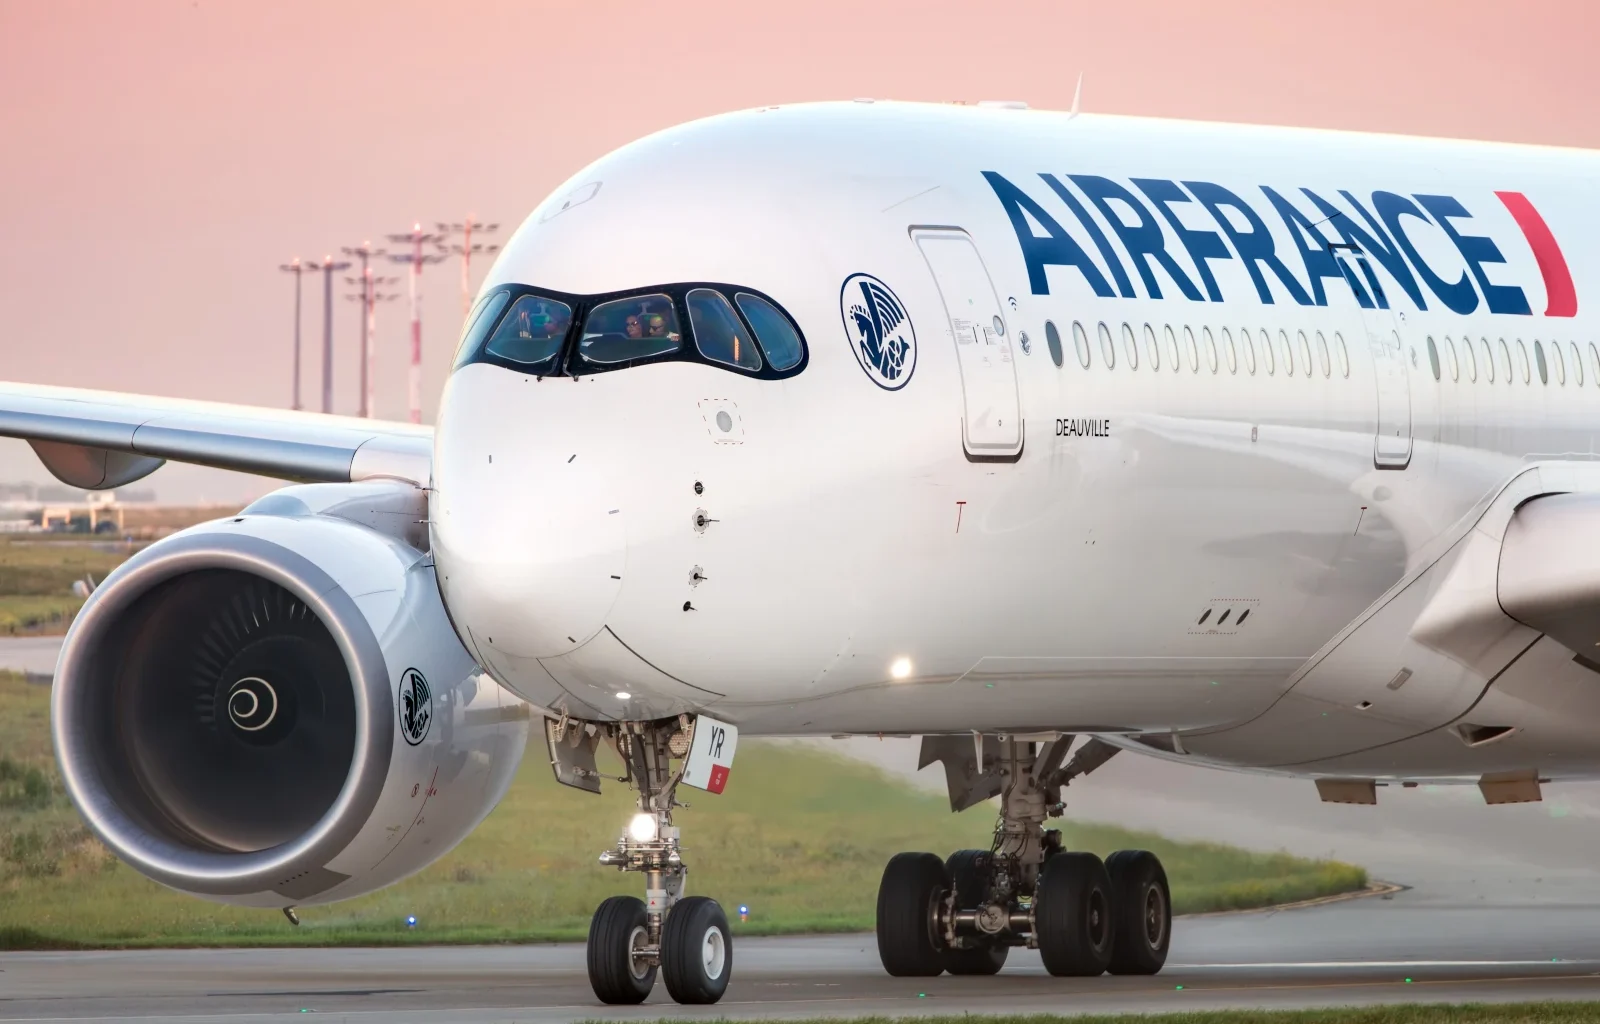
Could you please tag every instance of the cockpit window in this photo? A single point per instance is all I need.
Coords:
(773, 330)
(482, 319)
(547, 333)
(532, 333)
(718, 334)
(624, 330)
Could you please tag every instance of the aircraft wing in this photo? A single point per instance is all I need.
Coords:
(102, 439)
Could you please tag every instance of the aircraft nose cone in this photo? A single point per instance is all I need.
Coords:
(531, 552)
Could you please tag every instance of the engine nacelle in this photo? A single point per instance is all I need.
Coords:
(274, 709)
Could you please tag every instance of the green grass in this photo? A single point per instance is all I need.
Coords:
(1414, 1013)
(36, 577)
(801, 836)
(38, 614)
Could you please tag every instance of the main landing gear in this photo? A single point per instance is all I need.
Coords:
(963, 914)
(683, 938)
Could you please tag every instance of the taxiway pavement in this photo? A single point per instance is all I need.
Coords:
(1499, 942)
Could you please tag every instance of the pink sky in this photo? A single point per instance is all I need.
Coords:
(158, 160)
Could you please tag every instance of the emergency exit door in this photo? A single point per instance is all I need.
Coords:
(991, 422)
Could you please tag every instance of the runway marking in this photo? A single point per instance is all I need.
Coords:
(1391, 983)
(1390, 963)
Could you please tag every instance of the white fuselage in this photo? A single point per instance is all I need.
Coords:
(1161, 542)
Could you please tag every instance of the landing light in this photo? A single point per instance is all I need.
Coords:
(901, 669)
(624, 695)
(642, 829)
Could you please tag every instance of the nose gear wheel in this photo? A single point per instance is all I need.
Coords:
(686, 939)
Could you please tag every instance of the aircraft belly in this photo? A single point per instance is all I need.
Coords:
(1437, 652)
(1010, 694)
(1542, 713)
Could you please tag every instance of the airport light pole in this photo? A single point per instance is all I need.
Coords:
(296, 268)
(465, 249)
(368, 295)
(417, 259)
(328, 266)
(365, 252)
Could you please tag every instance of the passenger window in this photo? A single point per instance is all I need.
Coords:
(1211, 348)
(774, 332)
(1108, 349)
(1344, 354)
(1544, 369)
(1471, 359)
(1322, 354)
(1487, 360)
(1194, 351)
(1505, 361)
(623, 330)
(1130, 346)
(1249, 346)
(1305, 351)
(1450, 358)
(1286, 352)
(1433, 357)
(1522, 362)
(1594, 362)
(483, 318)
(1172, 348)
(718, 332)
(1080, 341)
(1268, 357)
(1577, 364)
(1151, 349)
(1230, 351)
(1052, 341)
(531, 333)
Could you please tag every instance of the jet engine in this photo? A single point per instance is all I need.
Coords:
(274, 709)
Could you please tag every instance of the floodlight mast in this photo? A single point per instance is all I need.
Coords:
(417, 260)
(328, 266)
(296, 268)
(369, 321)
(465, 249)
(369, 310)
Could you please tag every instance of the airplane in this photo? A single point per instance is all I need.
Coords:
(1041, 436)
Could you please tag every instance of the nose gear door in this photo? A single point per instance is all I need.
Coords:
(992, 415)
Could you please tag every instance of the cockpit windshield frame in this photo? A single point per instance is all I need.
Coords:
(571, 363)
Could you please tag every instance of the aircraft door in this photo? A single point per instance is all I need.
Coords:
(992, 414)
(1391, 448)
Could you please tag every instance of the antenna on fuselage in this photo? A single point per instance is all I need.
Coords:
(1077, 95)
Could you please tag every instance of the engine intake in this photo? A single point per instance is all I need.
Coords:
(257, 710)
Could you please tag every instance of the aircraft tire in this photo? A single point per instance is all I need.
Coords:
(908, 944)
(1073, 920)
(696, 951)
(1142, 906)
(968, 871)
(619, 926)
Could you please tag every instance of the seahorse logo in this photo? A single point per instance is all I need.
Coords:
(879, 329)
(415, 705)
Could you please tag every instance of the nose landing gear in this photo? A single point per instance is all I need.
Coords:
(963, 915)
(686, 939)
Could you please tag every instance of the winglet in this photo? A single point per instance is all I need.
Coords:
(1077, 95)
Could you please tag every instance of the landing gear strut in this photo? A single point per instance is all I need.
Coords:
(684, 938)
(963, 915)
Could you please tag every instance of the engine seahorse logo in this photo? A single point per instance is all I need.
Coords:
(879, 329)
(415, 705)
